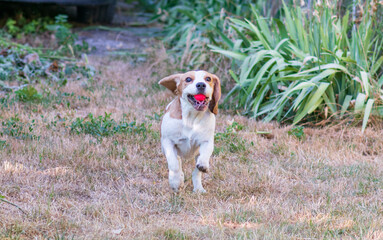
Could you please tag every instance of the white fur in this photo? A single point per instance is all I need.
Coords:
(189, 137)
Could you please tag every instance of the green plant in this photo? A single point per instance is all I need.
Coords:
(105, 126)
(239, 215)
(171, 234)
(306, 67)
(297, 131)
(62, 30)
(191, 25)
(230, 139)
(13, 127)
(3, 144)
(28, 94)
(11, 27)
(21, 65)
(22, 26)
(65, 38)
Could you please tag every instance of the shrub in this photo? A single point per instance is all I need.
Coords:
(304, 67)
(191, 25)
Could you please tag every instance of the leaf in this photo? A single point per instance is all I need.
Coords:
(376, 66)
(367, 113)
(223, 36)
(345, 105)
(313, 102)
(259, 35)
(359, 102)
(232, 54)
(365, 82)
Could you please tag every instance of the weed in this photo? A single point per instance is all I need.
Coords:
(13, 127)
(28, 94)
(3, 144)
(7, 101)
(175, 204)
(230, 139)
(22, 26)
(11, 26)
(62, 236)
(69, 100)
(156, 117)
(297, 132)
(279, 149)
(13, 231)
(171, 234)
(238, 215)
(105, 126)
(66, 38)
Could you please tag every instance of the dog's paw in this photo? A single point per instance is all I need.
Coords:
(176, 181)
(176, 186)
(202, 168)
(199, 190)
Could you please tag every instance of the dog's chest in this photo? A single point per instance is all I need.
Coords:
(188, 142)
(187, 134)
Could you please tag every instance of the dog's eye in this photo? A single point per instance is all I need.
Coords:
(208, 79)
(188, 79)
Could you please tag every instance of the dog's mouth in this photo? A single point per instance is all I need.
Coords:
(200, 104)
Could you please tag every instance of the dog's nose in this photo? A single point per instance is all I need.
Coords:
(201, 86)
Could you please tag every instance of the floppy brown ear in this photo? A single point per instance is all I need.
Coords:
(213, 105)
(171, 82)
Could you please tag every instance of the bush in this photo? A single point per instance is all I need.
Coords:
(191, 25)
(306, 67)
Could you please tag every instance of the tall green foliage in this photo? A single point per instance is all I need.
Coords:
(305, 66)
(191, 25)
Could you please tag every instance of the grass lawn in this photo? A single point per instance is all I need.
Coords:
(75, 185)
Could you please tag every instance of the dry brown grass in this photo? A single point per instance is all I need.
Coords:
(329, 185)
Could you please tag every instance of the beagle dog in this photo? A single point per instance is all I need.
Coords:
(187, 128)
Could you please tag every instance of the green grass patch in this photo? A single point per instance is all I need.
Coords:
(229, 140)
(14, 127)
(106, 126)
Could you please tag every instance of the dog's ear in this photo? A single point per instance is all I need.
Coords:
(213, 105)
(171, 82)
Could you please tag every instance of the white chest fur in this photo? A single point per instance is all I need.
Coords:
(188, 133)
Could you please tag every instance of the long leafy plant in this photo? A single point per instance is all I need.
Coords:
(306, 66)
(191, 25)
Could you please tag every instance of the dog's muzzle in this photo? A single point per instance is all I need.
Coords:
(199, 105)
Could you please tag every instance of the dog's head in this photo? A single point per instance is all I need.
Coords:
(200, 88)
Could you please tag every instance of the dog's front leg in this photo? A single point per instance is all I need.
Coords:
(202, 164)
(176, 176)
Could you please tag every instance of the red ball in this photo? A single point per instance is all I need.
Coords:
(199, 97)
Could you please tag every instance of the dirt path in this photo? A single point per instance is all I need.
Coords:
(127, 35)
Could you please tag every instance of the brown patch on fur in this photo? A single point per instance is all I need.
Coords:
(171, 82)
(175, 109)
(213, 105)
(182, 85)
